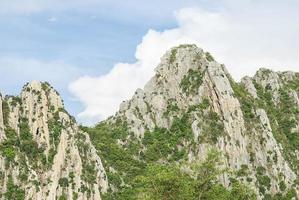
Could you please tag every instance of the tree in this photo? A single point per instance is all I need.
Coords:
(13, 191)
(169, 182)
(206, 173)
(165, 182)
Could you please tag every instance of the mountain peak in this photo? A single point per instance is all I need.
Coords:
(43, 93)
(51, 152)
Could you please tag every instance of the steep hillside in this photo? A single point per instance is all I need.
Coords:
(192, 105)
(43, 153)
(191, 133)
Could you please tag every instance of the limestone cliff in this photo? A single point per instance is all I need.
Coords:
(191, 105)
(43, 153)
(193, 91)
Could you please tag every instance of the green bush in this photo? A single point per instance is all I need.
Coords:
(209, 57)
(13, 192)
(63, 182)
(5, 112)
(191, 82)
(173, 55)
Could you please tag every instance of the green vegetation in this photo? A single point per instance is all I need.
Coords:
(27, 144)
(283, 118)
(282, 186)
(173, 55)
(13, 191)
(55, 128)
(63, 182)
(191, 82)
(16, 101)
(136, 173)
(162, 143)
(212, 128)
(171, 107)
(89, 172)
(161, 182)
(209, 57)
(168, 182)
(5, 111)
(246, 100)
(22, 145)
(105, 136)
(63, 197)
(243, 172)
(263, 180)
(8, 146)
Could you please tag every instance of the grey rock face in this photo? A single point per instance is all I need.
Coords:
(53, 155)
(186, 77)
(253, 123)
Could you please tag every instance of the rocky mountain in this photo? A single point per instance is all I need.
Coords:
(190, 107)
(44, 155)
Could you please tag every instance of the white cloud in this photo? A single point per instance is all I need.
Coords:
(243, 40)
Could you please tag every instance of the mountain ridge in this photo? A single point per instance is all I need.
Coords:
(191, 105)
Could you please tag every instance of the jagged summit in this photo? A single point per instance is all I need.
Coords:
(43, 153)
(190, 106)
(237, 119)
(174, 59)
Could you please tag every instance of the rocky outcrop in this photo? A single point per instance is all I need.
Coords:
(45, 155)
(1, 120)
(190, 106)
(185, 78)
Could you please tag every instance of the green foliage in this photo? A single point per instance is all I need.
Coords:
(169, 182)
(9, 153)
(75, 195)
(246, 100)
(8, 146)
(131, 159)
(63, 182)
(204, 104)
(209, 57)
(163, 143)
(16, 101)
(105, 136)
(27, 144)
(283, 118)
(282, 186)
(13, 191)
(212, 128)
(173, 55)
(206, 174)
(211, 125)
(55, 127)
(5, 111)
(163, 182)
(89, 173)
(263, 180)
(241, 192)
(243, 171)
(171, 107)
(63, 197)
(289, 195)
(191, 82)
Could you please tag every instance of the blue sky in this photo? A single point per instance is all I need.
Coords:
(80, 45)
(91, 41)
